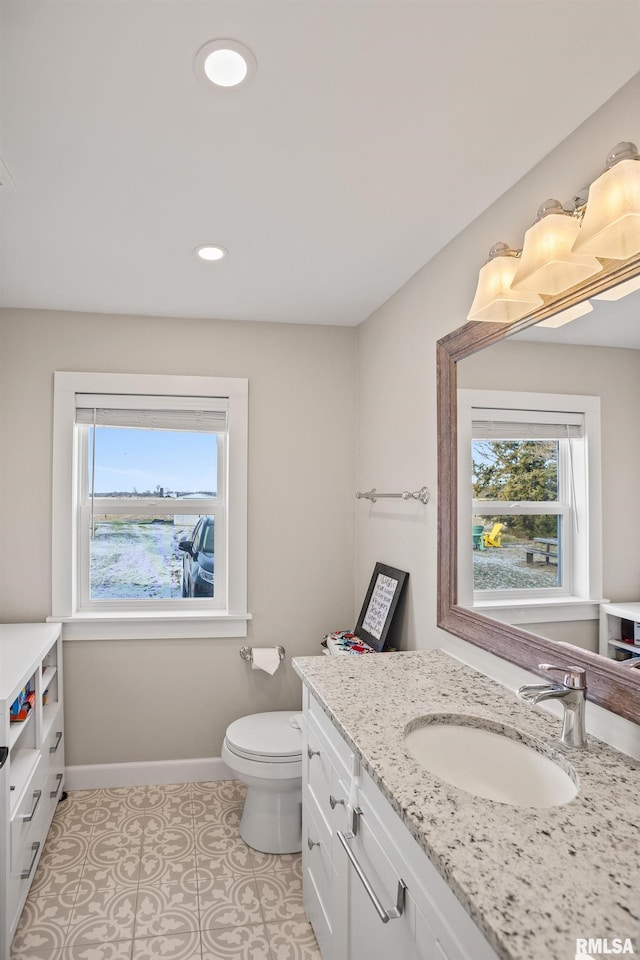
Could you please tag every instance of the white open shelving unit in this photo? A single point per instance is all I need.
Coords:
(611, 617)
(31, 758)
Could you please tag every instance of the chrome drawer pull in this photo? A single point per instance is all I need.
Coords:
(57, 743)
(385, 915)
(4, 753)
(312, 843)
(312, 753)
(59, 778)
(36, 796)
(333, 803)
(27, 873)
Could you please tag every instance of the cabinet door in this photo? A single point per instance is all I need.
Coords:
(428, 947)
(368, 937)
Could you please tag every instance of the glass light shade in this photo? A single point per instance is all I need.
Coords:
(566, 316)
(547, 264)
(611, 225)
(495, 300)
(620, 290)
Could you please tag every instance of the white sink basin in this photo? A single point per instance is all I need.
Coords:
(489, 764)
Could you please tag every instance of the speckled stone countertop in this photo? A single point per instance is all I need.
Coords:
(533, 880)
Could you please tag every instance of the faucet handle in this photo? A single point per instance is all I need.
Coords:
(575, 678)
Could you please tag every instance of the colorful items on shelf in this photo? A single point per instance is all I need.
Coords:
(22, 705)
(343, 641)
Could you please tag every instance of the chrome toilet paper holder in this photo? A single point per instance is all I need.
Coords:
(247, 653)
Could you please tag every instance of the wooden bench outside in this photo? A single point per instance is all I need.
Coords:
(544, 550)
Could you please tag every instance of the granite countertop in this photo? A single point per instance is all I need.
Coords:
(532, 879)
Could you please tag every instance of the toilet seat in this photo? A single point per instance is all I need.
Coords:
(266, 738)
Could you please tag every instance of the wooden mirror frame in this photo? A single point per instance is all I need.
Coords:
(610, 685)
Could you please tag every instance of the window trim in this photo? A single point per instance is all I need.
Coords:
(586, 554)
(155, 623)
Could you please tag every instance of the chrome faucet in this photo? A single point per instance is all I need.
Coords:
(572, 694)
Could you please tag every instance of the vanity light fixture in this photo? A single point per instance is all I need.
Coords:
(611, 225)
(211, 252)
(496, 301)
(547, 264)
(563, 249)
(225, 64)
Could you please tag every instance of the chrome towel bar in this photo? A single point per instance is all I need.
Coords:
(422, 495)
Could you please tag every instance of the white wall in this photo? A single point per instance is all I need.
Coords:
(160, 700)
(397, 386)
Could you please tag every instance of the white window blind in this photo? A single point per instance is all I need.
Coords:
(153, 413)
(495, 424)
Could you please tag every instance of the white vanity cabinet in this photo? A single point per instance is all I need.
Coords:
(32, 756)
(348, 926)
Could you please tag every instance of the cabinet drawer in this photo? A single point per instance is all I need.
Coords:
(27, 811)
(53, 757)
(339, 748)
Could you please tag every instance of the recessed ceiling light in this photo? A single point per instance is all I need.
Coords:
(211, 252)
(225, 63)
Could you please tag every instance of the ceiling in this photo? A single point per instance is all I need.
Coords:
(372, 133)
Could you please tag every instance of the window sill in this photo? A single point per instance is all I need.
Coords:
(134, 625)
(539, 611)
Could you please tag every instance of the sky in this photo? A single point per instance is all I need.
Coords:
(135, 460)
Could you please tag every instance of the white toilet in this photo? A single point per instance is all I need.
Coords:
(264, 751)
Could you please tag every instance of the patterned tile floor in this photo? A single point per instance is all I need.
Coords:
(160, 873)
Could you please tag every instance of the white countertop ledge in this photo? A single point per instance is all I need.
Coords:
(534, 880)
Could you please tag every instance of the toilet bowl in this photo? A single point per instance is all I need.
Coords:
(264, 751)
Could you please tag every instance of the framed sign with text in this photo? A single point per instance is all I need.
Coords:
(380, 604)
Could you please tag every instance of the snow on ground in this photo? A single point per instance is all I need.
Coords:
(132, 561)
(506, 568)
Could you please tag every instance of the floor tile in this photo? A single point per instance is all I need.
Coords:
(229, 901)
(175, 813)
(64, 853)
(146, 873)
(42, 927)
(236, 943)
(292, 940)
(120, 822)
(170, 862)
(273, 863)
(125, 872)
(49, 882)
(182, 946)
(118, 950)
(281, 896)
(28, 954)
(167, 909)
(112, 860)
(133, 798)
(158, 794)
(106, 916)
(221, 791)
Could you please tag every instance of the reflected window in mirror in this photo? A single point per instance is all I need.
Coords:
(529, 497)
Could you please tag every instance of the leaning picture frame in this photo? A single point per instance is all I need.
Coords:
(380, 603)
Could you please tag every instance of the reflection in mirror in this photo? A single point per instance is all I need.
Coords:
(536, 478)
(545, 525)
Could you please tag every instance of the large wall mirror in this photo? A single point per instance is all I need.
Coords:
(497, 595)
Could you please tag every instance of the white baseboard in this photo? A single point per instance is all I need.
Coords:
(92, 776)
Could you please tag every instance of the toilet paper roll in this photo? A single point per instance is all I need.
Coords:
(266, 658)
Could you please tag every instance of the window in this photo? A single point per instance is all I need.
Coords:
(149, 520)
(533, 512)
